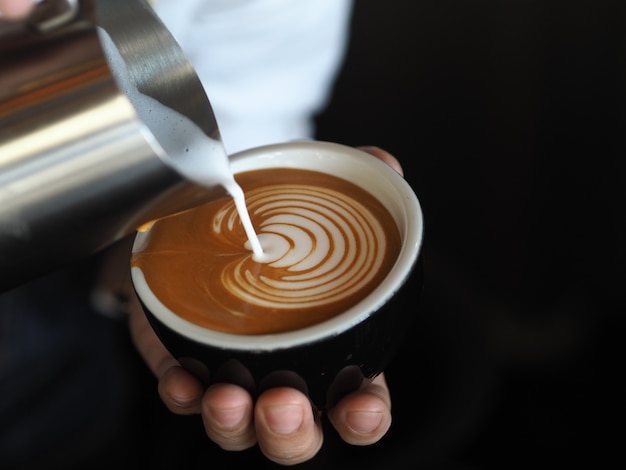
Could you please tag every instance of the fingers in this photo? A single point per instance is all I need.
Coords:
(384, 156)
(15, 9)
(227, 414)
(363, 417)
(287, 430)
(282, 420)
(179, 390)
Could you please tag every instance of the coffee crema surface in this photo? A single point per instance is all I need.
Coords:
(327, 243)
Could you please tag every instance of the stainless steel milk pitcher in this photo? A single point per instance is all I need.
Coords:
(79, 166)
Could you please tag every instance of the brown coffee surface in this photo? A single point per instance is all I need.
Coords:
(327, 244)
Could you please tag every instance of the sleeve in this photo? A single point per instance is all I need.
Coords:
(267, 66)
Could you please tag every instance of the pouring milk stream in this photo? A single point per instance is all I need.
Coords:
(187, 146)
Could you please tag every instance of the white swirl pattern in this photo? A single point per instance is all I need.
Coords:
(321, 247)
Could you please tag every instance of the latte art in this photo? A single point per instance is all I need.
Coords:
(320, 247)
(326, 244)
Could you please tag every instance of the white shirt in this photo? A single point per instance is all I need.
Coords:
(267, 66)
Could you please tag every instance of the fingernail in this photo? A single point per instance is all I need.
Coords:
(228, 417)
(284, 419)
(363, 422)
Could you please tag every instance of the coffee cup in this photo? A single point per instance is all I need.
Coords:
(331, 300)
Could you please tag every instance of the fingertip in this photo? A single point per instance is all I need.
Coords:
(368, 421)
(283, 410)
(226, 404)
(180, 391)
(287, 430)
(227, 416)
(362, 418)
(383, 155)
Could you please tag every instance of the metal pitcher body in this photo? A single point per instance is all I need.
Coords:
(79, 166)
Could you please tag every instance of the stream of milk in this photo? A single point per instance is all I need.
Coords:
(190, 151)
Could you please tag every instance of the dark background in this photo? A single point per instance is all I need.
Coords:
(509, 120)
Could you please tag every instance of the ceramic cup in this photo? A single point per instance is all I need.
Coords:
(337, 355)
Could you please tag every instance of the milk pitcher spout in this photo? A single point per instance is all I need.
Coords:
(102, 124)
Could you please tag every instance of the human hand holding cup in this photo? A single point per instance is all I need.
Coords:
(325, 359)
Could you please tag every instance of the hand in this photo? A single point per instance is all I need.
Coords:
(15, 9)
(281, 420)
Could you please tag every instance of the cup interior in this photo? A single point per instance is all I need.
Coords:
(346, 162)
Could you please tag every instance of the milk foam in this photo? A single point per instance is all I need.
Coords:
(327, 244)
(191, 152)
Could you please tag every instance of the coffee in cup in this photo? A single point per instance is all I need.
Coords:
(341, 234)
(327, 243)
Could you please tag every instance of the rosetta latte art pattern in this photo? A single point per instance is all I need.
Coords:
(326, 244)
(321, 247)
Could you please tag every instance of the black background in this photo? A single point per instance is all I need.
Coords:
(509, 120)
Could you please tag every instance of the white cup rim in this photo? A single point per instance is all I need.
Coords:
(344, 159)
